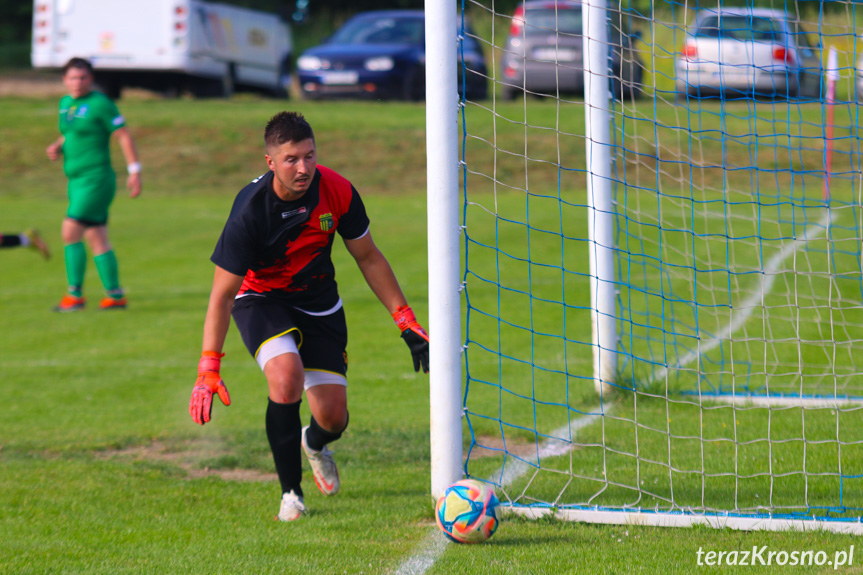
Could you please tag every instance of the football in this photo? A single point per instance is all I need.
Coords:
(467, 511)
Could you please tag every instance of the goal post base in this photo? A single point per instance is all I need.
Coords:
(779, 400)
(742, 522)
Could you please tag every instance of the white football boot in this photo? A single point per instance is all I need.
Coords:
(323, 467)
(292, 507)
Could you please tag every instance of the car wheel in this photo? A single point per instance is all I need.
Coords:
(616, 88)
(202, 88)
(111, 88)
(478, 91)
(214, 87)
(414, 85)
(792, 91)
(281, 93)
(687, 95)
(509, 93)
(635, 90)
(227, 84)
(308, 95)
(282, 88)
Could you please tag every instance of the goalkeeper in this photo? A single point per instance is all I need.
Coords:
(275, 276)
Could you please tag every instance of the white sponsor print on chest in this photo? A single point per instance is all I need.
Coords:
(286, 215)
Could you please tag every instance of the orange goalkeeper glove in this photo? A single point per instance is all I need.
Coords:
(209, 382)
(414, 335)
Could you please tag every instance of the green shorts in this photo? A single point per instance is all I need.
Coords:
(90, 197)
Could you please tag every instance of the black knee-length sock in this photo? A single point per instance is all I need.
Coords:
(317, 437)
(284, 432)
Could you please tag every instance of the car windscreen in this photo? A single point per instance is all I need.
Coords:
(548, 21)
(740, 27)
(544, 21)
(382, 30)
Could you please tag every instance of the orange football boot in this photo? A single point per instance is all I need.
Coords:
(70, 303)
(112, 303)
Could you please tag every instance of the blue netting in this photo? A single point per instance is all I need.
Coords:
(737, 261)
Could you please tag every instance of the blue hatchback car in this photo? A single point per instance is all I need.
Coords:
(381, 55)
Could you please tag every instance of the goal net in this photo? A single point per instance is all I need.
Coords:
(661, 244)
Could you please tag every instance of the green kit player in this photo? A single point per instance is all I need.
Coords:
(87, 121)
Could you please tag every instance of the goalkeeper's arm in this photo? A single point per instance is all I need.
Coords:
(209, 381)
(380, 277)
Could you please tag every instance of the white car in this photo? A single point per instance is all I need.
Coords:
(859, 81)
(747, 53)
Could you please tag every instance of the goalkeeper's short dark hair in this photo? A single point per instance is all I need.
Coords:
(287, 127)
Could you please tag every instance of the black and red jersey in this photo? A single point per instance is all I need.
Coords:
(284, 248)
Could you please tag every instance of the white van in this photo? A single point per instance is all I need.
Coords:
(166, 45)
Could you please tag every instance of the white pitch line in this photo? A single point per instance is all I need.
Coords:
(768, 278)
(551, 447)
(434, 545)
(428, 552)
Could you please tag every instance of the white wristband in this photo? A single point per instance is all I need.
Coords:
(134, 168)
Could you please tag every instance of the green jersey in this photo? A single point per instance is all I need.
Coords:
(87, 124)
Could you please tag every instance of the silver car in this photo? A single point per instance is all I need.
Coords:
(544, 52)
(748, 52)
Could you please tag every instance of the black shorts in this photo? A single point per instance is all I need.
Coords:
(322, 339)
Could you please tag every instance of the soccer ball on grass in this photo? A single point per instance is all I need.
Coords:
(467, 511)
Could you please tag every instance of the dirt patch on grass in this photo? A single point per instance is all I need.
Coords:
(494, 446)
(31, 84)
(183, 456)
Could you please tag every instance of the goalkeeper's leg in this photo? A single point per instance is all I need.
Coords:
(328, 403)
(325, 358)
(284, 430)
(271, 337)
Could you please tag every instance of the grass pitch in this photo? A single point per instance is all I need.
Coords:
(101, 468)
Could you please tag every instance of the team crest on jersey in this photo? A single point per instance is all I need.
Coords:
(75, 112)
(326, 222)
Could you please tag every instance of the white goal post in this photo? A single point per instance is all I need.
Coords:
(646, 260)
(443, 247)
